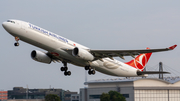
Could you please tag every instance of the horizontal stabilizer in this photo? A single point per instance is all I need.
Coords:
(151, 72)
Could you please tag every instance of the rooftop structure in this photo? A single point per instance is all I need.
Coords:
(168, 79)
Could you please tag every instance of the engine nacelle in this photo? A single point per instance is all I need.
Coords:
(83, 54)
(40, 57)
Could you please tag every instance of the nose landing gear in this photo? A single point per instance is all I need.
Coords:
(17, 43)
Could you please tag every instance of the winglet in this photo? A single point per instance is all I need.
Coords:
(172, 47)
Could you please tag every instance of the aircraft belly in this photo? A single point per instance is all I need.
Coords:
(70, 58)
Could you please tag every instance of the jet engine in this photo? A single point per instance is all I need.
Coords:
(40, 57)
(82, 54)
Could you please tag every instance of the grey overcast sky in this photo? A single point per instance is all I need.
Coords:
(97, 24)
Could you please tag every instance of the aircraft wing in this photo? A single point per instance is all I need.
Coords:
(99, 54)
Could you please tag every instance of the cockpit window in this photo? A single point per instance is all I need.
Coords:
(10, 21)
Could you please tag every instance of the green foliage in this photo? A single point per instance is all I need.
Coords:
(52, 97)
(105, 97)
(112, 96)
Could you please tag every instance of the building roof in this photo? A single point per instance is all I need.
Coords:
(168, 80)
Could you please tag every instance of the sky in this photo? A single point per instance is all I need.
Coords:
(97, 24)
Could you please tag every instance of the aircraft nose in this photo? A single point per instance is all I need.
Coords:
(4, 24)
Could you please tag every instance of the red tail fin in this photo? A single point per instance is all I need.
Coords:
(140, 61)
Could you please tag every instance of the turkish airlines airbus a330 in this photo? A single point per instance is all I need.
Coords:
(61, 49)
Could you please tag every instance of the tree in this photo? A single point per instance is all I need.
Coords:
(105, 97)
(116, 96)
(52, 97)
(112, 96)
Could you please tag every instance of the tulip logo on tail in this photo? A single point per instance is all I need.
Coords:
(140, 61)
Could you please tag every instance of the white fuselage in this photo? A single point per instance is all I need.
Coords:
(51, 42)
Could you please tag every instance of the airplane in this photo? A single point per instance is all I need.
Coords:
(61, 49)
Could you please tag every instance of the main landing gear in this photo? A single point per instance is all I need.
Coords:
(91, 71)
(17, 43)
(65, 68)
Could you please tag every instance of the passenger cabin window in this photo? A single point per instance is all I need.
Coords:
(10, 21)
